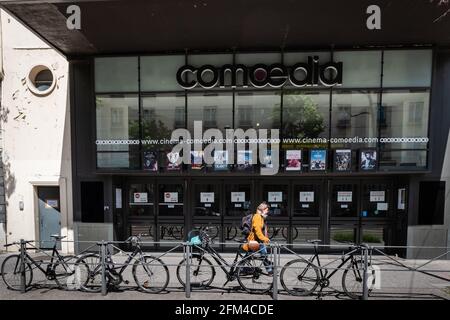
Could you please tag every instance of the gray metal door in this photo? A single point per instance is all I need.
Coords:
(49, 215)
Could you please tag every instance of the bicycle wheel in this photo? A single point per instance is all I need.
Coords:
(213, 232)
(65, 272)
(231, 233)
(202, 272)
(252, 275)
(177, 232)
(299, 277)
(151, 274)
(271, 232)
(11, 273)
(88, 271)
(352, 279)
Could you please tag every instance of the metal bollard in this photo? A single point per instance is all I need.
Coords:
(365, 295)
(275, 273)
(103, 261)
(188, 269)
(23, 286)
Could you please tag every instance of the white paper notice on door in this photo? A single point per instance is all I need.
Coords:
(140, 197)
(275, 196)
(118, 198)
(307, 196)
(377, 196)
(206, 197)
(171, 197)
(382, 206)
(238, 197)
(344, 196)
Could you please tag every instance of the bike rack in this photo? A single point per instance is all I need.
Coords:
(365, 256)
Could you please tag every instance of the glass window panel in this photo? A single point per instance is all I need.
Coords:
(238, 199)
(250, 59)
(305, 115)
(258, 110)
(341, 234)
(344, 200)
(118, 160)
(158, 73)
(403, 159)
(161, 114)
(215, 110)
(376, 200)
(277, 233)
(141, 200)
(117, 122)
(303, 234)
(360, 68)
(306, 200)
(404, 114)
(291, 58)
(171, 200)
(168, 233)
(207, 201)
(216, 60)
(375, 236)
(143, 228)
(407, 68)
(118, 74)
(277, 197)
(354, 115)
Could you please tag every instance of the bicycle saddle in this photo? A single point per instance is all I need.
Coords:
(315, 241)
(57, 237)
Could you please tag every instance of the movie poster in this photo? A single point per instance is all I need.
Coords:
(318, 160)
(342, 160)
(244, 160)
(220, 160)
(293, 160)
(368, 160)
(150, 161)
(267, 161)
(172, 158)
(196, 160)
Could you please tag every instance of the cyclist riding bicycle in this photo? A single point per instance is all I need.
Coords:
(257, 238)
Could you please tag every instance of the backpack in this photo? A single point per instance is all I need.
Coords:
(246, 224)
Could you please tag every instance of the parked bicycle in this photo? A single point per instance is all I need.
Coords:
(170, 232)
(150, 274)
(301, 277)
(55, 267)
(273, 232)
(247, 267)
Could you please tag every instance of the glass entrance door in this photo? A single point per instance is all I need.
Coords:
(207, 207)
(360, 211)
(171, 211)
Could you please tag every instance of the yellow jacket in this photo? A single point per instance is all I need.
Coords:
(259, 231)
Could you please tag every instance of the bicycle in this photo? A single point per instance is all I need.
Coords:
(300, 277)
(59, 269)
(150, 274)
(248, 268)
(273, 232)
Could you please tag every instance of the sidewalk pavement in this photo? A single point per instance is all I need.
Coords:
(397, 283)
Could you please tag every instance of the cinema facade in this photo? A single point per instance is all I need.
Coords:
(363, 152)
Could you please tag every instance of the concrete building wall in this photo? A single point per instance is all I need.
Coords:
(36, 133)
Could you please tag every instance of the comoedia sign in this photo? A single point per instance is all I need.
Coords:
(276, 75)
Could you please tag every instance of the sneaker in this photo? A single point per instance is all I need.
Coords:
(270, 273)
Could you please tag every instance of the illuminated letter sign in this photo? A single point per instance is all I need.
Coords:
(261, 75)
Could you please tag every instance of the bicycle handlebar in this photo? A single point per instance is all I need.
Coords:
(17, 243)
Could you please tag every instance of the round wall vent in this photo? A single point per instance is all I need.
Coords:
(41, 80)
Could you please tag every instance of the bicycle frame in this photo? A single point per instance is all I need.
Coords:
(223, 263)
(50, 266)
(324, 274)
